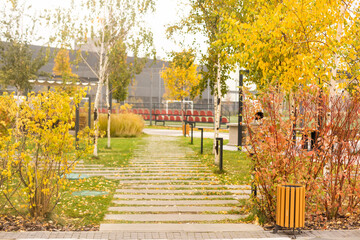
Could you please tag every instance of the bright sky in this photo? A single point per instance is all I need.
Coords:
(167, 12)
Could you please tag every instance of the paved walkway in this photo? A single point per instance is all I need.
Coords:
(162, 185)
(197, 134)
(178, 133)
(165, 195)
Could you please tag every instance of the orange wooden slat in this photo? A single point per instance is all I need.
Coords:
(297, 206)
(287, 206)
(292, 206)
(282, 207)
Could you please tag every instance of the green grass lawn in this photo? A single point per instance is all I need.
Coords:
(87, 210)
(82, 212)
(236, 164)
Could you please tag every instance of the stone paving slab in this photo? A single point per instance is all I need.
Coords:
(182, 227)
(182, 231)
(190, 191)
(142, 181)
(138, 171)
(171, 209)
(180, 165)
(157, 196)
(175, 202)
(181, 169)
(169, 177)
(189, 186)
(167, 160)
(171, 217)
(148, 175)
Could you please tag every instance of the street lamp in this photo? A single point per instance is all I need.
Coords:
(240, 110)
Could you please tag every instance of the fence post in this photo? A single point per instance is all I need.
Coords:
(89, 112)
(185, 129)
(77, 117)
(151, 108)
(202, 134)
(192, 132)
(221, 152)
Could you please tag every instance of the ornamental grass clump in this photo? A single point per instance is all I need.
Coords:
(123, 125)
(310, 139)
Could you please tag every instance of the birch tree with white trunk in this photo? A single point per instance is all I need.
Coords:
(97, 26)
(205, 18)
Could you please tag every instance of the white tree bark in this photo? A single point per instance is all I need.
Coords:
(109, 113)
(103, 61)
(217, 108)
(334, 70)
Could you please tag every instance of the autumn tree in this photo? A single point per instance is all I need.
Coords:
(205, 18)
(18, 62)
(121, 73)
(291, 43)
(62, 66)
(101, 26)
(181, 77)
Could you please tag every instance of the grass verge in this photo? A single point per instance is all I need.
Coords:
(81, 212)
(236, 164)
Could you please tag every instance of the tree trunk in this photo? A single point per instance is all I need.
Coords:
(102, 71)
(17, 127)
(336, 57)
(109, 113)
(182, 115)
(217, 108)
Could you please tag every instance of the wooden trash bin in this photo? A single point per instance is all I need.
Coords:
(290, 206)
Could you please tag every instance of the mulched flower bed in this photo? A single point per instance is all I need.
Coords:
(320, 222)
(10, 224)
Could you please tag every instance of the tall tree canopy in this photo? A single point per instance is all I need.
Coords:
(293, 43)
(18, 63)
(107, 28)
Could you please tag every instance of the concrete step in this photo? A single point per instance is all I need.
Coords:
(169, 186)
(171, 197)
(171, 217)
(143, 181)
(169, 177)
(166, 165)
(182, 209)
(126, 171)
(175, 202)
(196, 227)
(146, 175)
(187, 191)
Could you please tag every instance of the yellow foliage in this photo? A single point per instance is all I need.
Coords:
(180, 78)
(47, 153)
(291, 43)
(62, 64)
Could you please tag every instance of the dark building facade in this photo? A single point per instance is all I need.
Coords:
(147, 87)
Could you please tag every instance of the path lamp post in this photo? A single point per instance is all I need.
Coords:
(240, 110)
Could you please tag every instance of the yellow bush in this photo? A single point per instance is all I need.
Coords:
(123, 125)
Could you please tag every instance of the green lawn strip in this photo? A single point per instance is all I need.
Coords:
(122, 150)
(236, 164)
(85, 210)
(80, 211)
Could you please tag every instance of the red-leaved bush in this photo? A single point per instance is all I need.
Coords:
(282, 151)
